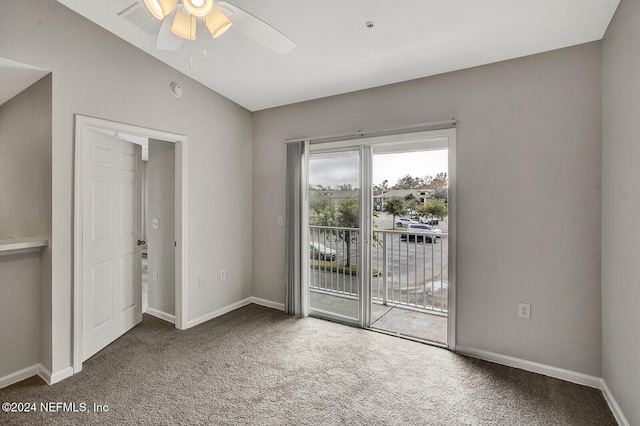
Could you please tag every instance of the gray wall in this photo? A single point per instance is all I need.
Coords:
(97, 74)
(25, 162)
(621, 209)
(161, 205)
(25, 211)
(19, 312)
(529, 175)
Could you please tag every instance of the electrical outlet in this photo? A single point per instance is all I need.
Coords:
(223, 275)
(201, 282)
(155, 224)
(524, 310)
(154, 275)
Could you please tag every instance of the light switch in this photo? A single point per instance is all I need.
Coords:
(155, 224)
(280, 221)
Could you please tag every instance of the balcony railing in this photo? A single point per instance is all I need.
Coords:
(334, 260)
(409, 269)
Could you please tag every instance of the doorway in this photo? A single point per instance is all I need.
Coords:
(116, 276)
(158, 255)
(409, 253)
(382, 234)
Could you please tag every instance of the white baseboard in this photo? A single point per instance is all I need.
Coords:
(162, 315)
(37, 369)
(523, 364)
(219, 312)
(60, 375)
(45, 373)
(267, 303)
(18, 376)
(613, 405)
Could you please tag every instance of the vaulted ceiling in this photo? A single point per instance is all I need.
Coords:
(337, 53)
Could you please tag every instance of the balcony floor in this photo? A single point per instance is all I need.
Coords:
(392, 318)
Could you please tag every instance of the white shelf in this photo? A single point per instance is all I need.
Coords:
(21, 245)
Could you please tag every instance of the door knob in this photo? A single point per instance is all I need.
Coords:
(141, 242)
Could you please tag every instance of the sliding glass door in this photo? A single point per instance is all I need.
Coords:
(335, 249)
(381, 243)
(410, 248)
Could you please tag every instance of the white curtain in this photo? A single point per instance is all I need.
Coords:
(297, 230)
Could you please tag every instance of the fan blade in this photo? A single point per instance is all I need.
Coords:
(166, 39)
(256, 29)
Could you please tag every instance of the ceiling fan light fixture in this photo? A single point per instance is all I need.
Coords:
(198, 8)
(217, 22)
(184, 25)
(160, 8)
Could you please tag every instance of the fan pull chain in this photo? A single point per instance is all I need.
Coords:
(204, 54)
(190, 43)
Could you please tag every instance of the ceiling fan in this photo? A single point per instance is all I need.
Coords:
(180, 22)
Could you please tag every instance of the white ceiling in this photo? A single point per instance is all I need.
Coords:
(337, 54)
(15, 77)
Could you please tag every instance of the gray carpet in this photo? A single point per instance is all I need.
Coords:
(258, 366)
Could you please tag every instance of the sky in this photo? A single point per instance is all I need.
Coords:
(344, 168)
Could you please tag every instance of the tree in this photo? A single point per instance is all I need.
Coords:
(434, 208)
(379, 188)
(348, 217)
(441, 181)
(344, 187)
(318, 202)
(440, 195)
(411, 203)
(440, 184)
(408, 182)
(395, 207)
(343, 214)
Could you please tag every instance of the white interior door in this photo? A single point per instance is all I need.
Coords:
(111, 225)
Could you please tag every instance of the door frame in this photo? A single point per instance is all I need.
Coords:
(81, 124)
(394, 140)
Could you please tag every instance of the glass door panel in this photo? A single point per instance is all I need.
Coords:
(334, 235)
(410, 244)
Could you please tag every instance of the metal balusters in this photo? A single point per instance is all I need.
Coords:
(394, 263)
(433, 295)
(442, 281)
(424, 277)
(384, 269)
(407, 263)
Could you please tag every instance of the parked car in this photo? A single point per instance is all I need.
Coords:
(404, 222)
(420, 232)
(320, 252)
(429, 221)
(435, 231)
